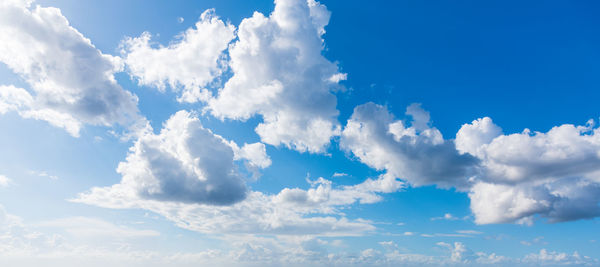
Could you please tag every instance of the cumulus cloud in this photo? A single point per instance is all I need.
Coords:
(71, 81)
(554, 174)
(509, 178)
(187, 65)
(410, 150)
(188, 174)
(279, 73)
(185, 162)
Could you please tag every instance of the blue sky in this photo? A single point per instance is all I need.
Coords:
(297, 133)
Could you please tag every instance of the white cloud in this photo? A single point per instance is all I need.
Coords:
(13, 98)
(447, 216)
(43, 244)
(185, 162)
(187, 65)
(255, 153)
(185, 170)
(71, 81)
(469, 232)
(4, 181)
(545, 257)
(417, 153)
(509, 178)
(44, 174)
(279, 73)
(554, 174)
(339, 174)
(84, 227)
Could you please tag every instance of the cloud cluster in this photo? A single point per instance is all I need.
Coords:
(508, 177)
(187, 65)
(280, 74)
(188, 174)
(554, 174)
(71, 81)
(276, 65)
(412, 151)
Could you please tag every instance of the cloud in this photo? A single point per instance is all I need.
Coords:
(554, 174)
(447, 216)
(43, 174)
(187, 174)
(255, 154)
(290, 212)
(417, 153)
(279, 73)
(71, 81)
(339, 174)
(23, 246)
(187, 65)
(4, 181)
(509, 178)
(185, 162)
(84, 227)
(545, 257)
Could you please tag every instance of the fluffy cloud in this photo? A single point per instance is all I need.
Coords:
(280, 74)
(554, 174)
(255, 154)
(417, 153)
(71, 81)
(188, 174)
(509, 178)
(185, 162)
(187, 65)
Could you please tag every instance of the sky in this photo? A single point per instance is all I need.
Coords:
(299, 133)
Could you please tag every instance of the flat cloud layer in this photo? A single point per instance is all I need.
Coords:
(71, 81)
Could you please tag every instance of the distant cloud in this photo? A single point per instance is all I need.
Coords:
(43, 174)
(4, 181)
(469, 232)
(447, 216)
(339, 174)
(84, 227)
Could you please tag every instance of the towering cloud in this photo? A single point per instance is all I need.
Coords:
(280, 74)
